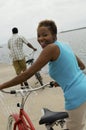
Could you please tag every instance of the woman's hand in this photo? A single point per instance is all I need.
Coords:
(54, 84)
(80, 63)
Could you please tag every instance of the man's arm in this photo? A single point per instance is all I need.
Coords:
(29, 45)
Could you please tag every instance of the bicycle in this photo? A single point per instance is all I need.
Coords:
(30, 61)
(22, 121)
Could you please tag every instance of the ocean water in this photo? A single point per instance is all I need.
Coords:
(76, 39)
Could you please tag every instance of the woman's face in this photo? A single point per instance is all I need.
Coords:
(44, 36)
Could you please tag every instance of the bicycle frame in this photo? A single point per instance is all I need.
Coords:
(22, 121)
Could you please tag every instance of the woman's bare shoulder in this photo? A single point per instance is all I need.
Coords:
(52, 51)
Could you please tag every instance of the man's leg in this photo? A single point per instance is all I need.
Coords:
(23, 68)
(17, 68)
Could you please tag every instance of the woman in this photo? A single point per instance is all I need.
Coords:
(64, 68)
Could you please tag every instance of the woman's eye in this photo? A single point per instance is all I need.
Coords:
(45, 35)
(38, 35)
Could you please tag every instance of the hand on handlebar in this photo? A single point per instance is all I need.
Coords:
(34, 49)
(54, 84)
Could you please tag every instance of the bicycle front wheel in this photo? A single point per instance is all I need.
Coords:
(11, 122)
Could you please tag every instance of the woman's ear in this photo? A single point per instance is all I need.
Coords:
(54, 37)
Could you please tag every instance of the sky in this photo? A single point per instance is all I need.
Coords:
(26, 14)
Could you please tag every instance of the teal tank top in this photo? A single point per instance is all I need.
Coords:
(66, 72)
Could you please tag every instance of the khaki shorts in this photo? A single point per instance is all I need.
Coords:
(77, 118)
(19, 66)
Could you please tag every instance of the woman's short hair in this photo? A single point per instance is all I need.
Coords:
(50, 24)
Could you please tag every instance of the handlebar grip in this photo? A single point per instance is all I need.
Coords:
(12, 92)
(51, 84)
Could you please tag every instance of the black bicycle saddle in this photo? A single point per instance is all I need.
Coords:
(51, 116)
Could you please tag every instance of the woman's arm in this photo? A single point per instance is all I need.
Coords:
(44, 57)
(80, 63)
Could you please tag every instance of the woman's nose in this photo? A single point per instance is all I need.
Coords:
(41, 38)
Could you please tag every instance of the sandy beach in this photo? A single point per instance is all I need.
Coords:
(51, 98)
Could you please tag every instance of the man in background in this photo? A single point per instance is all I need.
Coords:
(15, 44)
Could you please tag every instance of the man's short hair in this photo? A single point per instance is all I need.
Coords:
(14, 30)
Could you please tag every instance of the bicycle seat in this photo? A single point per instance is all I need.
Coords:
(29, 61)
(50, 116)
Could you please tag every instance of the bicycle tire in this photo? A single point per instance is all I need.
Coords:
(11, 121)
(39, 78)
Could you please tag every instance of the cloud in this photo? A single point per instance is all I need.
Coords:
(26, 14)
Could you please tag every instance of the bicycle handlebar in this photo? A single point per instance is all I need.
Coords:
(27, 89)
(22, 91)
